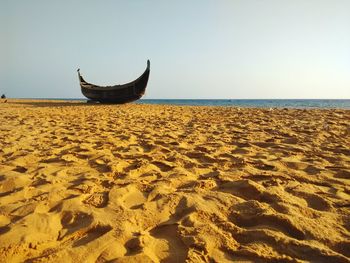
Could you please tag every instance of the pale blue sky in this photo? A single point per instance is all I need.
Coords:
(243, 49)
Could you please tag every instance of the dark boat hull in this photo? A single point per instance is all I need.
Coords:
(116, 94)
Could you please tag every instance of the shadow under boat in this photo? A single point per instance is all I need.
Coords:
(40, 103)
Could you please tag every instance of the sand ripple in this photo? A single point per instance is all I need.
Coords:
(142, 183)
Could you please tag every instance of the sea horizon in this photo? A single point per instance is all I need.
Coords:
(255, 103)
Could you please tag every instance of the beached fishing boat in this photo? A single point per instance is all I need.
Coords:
(118, 93)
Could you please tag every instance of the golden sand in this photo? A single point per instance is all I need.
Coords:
(148, 183)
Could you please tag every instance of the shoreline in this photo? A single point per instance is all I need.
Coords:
(69, 102)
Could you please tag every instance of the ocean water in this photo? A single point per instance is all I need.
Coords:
(263, 103)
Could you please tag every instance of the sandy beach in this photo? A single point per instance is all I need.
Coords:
(152, 183)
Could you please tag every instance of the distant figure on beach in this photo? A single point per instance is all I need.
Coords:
(3, 96)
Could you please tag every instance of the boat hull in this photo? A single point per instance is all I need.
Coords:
(116, 94)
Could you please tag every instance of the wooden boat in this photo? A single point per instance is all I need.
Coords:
(118, 93)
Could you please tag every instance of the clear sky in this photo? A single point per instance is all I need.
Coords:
(199, 49)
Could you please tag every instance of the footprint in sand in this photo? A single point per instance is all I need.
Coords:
(164, 167)
(162, 244)
(130, 196)
(246, 189)
(314, 201)
(100, 165)
(201, 157)
(92, 234)
(254, 215)
(20, 169)
(73, 221)
(343, 174)
(98, 200)
(263, 166)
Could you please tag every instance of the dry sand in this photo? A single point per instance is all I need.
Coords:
(147, 183)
